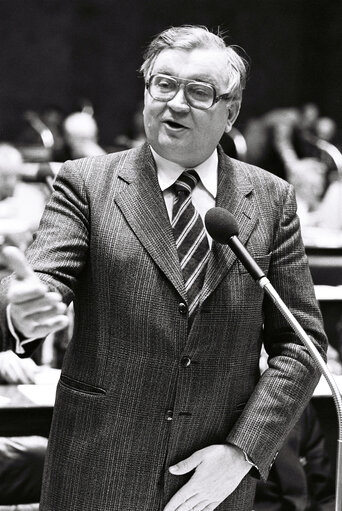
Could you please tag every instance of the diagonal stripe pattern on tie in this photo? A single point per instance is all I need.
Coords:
(191, 239)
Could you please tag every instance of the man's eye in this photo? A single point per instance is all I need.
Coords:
(165, 85)
(201, 92)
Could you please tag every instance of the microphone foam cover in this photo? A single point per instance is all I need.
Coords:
(221, 225)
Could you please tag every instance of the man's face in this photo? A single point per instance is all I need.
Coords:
(175, 130)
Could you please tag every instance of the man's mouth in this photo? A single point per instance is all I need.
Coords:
(174, 125)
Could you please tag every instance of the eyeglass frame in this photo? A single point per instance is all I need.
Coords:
(186, 82)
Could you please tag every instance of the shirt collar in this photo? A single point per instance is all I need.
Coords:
(168, 172)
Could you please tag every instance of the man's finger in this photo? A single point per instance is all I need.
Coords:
(193, 507)
(183, 501)
(21, 291)
(50, 300)
(17, 262)
(185, 466)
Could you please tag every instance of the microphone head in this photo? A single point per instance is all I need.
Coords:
(221, 225)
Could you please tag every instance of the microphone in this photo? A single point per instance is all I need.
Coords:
(222, 227)
(44, 172)
(39, 172)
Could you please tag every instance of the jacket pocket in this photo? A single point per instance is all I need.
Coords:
(80, 386)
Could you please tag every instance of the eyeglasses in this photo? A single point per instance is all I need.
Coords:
(199, 95)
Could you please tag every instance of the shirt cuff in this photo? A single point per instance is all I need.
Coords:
(248, 459)
(19, 343)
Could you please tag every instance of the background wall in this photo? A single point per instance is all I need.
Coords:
(56, 52)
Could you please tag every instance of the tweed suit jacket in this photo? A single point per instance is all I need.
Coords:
(137, 392)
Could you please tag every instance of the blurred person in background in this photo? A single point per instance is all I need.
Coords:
(284, 141)
(301, 478)
(21, 204)
(21, 471)
(21, 457)
(81, 135)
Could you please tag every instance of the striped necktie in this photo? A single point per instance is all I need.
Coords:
(191, 239)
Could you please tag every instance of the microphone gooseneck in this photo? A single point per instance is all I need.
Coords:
(222, 227)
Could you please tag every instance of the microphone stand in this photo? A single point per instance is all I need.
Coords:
(222, 227)
(265, 284)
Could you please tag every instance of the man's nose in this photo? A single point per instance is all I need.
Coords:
(179, 102)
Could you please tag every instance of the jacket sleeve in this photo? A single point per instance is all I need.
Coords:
(286, 386)
(59, 250)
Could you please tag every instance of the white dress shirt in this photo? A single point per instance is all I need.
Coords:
(204, 193)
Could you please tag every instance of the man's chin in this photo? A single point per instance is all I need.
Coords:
(171, 154)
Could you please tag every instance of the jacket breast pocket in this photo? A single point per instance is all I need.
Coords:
(262, 261)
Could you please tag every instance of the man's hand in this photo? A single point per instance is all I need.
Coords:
(16, 370)
(219, 470)
(35, 311)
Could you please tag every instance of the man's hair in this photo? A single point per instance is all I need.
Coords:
(189, 37)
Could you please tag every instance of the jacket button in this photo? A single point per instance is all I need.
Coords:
(169, 415)
(185, 361)
(182, 308)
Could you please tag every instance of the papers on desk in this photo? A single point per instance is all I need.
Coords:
(326, 293)
(47, 376)
(43, 391)
(41, 395)
(321, 237)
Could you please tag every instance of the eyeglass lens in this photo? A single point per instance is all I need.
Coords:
(198, 95)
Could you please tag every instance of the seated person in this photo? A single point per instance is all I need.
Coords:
(21, 458)
(287, 143)
(81, 135)
(21, 204)
(301, 477)
(21, 469)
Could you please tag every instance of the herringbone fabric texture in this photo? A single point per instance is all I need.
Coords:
(191, 239)
(111, 442)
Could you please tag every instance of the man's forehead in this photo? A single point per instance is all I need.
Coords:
(204, 64)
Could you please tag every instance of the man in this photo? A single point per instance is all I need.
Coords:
(160, 405)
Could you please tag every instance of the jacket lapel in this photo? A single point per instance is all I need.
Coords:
(142, 204)
(234, 194)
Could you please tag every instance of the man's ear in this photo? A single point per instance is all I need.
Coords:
(233, 112)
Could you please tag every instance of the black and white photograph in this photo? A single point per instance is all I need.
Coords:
(170, 255)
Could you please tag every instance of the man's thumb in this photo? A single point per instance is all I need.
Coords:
(185, 466)
(17, 262)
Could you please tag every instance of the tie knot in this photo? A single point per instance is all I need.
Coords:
(186, 181)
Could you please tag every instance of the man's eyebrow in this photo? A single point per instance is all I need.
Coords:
(163, 72)
(197, 78)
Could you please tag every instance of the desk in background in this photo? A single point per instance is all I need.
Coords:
(324, 250)
(27, 409)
